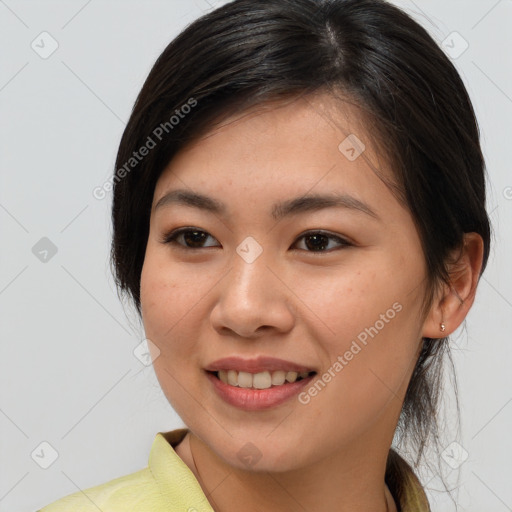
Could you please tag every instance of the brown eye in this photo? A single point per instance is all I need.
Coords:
(189, 238)
(319, 241)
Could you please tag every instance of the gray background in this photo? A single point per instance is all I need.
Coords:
(68, 373)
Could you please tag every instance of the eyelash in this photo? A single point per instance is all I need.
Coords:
(171, 238)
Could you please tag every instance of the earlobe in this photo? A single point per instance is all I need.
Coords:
(453, 301)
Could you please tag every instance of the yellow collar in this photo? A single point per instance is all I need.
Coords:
(176, 480)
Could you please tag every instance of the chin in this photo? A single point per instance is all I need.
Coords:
(258, 453)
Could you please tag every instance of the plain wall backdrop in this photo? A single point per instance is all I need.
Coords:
(74, 398)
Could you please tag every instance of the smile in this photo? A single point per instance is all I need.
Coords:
(252, 398)
(260, 380)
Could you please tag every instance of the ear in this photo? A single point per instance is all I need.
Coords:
(453, 301)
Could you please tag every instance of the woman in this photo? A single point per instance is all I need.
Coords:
(299, 217)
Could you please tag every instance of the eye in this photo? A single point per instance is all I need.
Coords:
(313, 241)
(188, 238)
(319, 241)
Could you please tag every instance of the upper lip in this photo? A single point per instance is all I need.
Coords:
(256, 365)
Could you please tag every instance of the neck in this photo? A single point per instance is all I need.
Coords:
(343, 481)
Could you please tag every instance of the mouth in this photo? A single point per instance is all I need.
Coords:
(258, 383)
(261, 380)
(260, 391)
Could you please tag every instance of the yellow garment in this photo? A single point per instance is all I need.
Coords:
(168, 484)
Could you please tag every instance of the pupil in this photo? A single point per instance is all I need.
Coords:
(319, 242)
(194, 237)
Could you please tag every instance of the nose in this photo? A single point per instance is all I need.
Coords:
(252, 300)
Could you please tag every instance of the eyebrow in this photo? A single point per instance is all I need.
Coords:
(307, 203)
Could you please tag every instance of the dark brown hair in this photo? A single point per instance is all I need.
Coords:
(249, 53)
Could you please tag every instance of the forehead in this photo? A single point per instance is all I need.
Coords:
(300, 144)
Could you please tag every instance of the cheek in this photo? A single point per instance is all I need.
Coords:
(175, 308)
(167, 297)
(351, 302)
(370, 321)
(169, 300)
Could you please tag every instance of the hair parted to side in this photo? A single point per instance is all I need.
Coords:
(249, 53)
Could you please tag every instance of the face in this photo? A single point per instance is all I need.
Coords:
(267, 272)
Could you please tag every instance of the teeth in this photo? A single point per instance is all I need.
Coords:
(261, 380)
(291, 376)
(233, 377)
(244, 380)
(278, 378)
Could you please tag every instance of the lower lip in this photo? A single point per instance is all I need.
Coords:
(251, 399)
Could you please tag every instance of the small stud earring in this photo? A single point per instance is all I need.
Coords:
(442, 327)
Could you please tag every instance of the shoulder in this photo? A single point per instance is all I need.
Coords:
(135, 492)
(165, 482)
